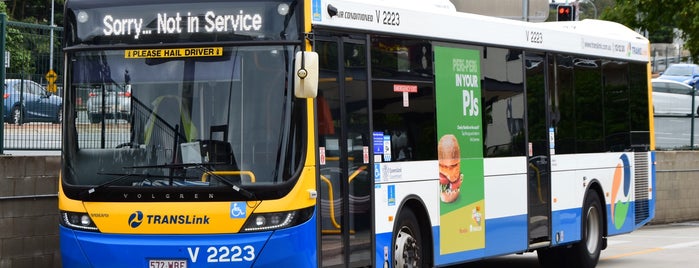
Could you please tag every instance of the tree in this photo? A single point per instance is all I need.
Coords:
(29, 48)
(35, 11)
(587, 9)
(657, 17)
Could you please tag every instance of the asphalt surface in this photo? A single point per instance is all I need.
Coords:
(670, 245)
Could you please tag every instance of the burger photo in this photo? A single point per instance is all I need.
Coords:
(450, 177)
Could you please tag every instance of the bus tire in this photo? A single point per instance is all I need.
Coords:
(586, 252)
(409, 248)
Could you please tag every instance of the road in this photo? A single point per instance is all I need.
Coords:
(672, 245)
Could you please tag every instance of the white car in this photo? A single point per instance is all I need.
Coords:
(122, 109)
(673, 98)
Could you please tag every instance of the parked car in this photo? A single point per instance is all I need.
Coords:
(681, 72)
(28, 101)
(673, 98)
(115, 94)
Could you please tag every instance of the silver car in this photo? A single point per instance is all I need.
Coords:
(673, 98)
(117, 104)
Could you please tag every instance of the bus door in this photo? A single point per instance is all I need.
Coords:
(540, 142)
(344, 184)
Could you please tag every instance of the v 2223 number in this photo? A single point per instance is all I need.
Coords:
(390, 18)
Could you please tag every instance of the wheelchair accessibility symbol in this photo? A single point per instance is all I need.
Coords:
(238, 210)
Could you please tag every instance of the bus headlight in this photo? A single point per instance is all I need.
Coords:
(76, 220)
(260, 222)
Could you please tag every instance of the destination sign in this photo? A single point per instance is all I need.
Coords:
(173, 24)
(153, 22)
(173, 53)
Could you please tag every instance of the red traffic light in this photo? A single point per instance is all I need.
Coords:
(566, 13)
(564, 10)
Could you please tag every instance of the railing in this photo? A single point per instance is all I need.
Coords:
(662, 57)
(31, 114)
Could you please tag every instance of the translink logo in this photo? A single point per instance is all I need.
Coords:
(137, 218)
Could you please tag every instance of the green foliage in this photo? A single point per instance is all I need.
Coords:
(20, 56)
(29, 47)
(34, 11)
(665, 34)
(657, 17)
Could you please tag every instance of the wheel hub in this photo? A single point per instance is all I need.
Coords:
(592, 229)
(407, 251)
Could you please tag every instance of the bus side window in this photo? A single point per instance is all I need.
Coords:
(401, 149)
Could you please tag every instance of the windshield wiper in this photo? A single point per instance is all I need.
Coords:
(237, 188)
(204, 168)
(117, 179)
(178, 165)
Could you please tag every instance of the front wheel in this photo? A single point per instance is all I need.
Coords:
(59, 116)
(409, 248)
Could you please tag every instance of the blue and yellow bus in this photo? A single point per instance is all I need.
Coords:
(347, 133)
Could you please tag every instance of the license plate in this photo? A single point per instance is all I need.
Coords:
(167, 263)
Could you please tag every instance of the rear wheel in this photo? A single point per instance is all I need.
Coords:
(95, 118)
(409, 248)
(585, 253)
(588, 250)
(17, 115)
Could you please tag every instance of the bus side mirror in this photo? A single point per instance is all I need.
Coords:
(306, 74)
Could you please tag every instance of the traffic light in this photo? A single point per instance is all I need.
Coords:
(566, 13)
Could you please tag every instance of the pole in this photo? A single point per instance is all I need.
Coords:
(692, 111)
(51, 48)
(593, 6)
(3, 48)
(525, 10)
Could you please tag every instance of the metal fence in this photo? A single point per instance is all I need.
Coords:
(664, 55)
(29, 110)
(32, 90)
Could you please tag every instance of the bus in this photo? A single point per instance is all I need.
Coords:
(347, 133)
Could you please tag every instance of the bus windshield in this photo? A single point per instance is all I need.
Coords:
(206, 120)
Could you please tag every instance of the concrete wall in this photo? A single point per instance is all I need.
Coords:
(28, 211)
(677, 186)
(29, 218)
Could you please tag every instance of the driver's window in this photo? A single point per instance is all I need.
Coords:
(210, 106)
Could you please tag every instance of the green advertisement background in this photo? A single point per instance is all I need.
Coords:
(462, 225)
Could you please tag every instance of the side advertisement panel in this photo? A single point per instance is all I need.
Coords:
(460, 150)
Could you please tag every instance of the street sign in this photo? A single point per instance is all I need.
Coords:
(51, 76)
(7, 59)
